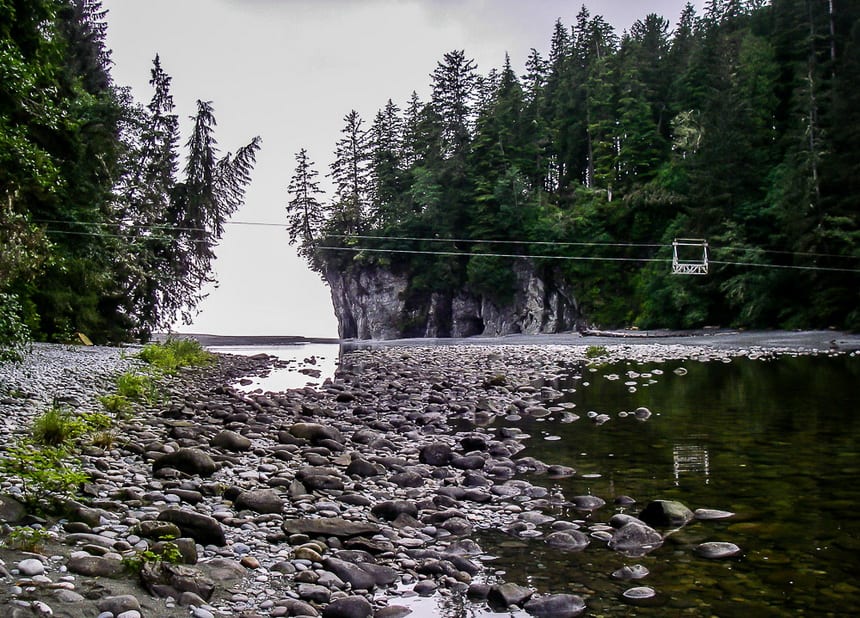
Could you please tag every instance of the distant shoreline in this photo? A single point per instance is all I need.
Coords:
(820, 340)
(207, 340)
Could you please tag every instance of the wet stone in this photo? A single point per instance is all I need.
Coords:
(717, 550)
(635, 571)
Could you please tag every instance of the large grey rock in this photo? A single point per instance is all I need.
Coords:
(571, 540)
(231, 441)
(95, 566)
(507, 594)
(435, 454)
(666, 513)
(555, 606)
(11, 511)
(370, 303)
(391, 509)
(349, 607)
(188, 460)
(164, 579)
(202, 528)
(635, 539)
(315, 432)
(260, 500)
(330, 526)
(351, 573)
(118, 604)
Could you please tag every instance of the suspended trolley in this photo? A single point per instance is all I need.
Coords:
(689, 248)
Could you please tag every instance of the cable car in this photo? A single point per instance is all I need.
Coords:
(690, 248)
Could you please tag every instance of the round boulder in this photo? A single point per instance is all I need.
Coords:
(260, 500)
(666, 513)
(436, 454)
(555, 606)
(187, 460)
(231, 441)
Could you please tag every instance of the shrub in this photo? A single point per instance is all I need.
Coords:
(104, 439)
(14, 334)
(175, 353)
(96, 421)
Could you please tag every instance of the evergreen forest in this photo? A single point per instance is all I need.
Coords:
(739, 125)
(107, 222)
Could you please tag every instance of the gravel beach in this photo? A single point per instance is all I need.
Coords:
(348, 500)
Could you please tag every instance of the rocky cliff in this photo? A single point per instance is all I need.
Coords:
(370, 302)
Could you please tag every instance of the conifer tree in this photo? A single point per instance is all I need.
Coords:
(305, 212)
(350, 172)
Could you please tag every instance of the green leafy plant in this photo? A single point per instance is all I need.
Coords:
(96, 421)
(25, 538)
(163, 551)
(118, 404)
(47, 473)
(135, 387)
(175, 353)
(595, 351)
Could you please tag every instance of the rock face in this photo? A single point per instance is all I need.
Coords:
(374, 303)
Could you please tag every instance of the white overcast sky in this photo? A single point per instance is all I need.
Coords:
(289, 71)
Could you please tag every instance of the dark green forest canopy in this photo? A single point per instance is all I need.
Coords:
(738, 125)
(106, 227)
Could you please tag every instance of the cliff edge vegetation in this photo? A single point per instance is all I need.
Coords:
(537, 201)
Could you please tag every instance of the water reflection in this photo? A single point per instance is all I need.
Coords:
(691, 458)
(775, 441)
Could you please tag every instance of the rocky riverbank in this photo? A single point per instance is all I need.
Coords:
(350, 500)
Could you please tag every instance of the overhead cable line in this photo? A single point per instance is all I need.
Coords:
(596, 258)
(461, 240)
(714, 248)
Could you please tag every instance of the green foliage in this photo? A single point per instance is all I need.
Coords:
(103, 439)
(118, 404)
(164, 551)
(85, 166)
(14, 334)
(136, 387)
(25, 538)
(47, 473)
(175, 353)
(740, 127)
(595, 351)
(492, 277)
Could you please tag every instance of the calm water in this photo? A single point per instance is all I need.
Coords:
(774, 441)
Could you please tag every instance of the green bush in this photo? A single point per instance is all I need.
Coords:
(175, 353)
(14, 334)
